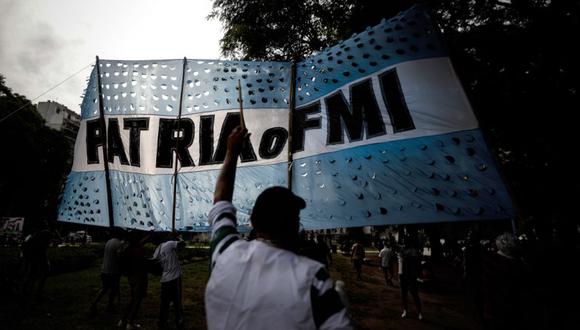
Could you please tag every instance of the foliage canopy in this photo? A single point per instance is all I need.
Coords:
(35, 160)
(516, 59)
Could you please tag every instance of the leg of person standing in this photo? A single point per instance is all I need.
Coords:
(114, 291)
(390, 274)
(128, 310)
(177, 304)
(103, 291)
(171, 293)
(414, 290)
(386, 274)
(358, 267)
(404, 288)
(140, 293)
(166, 298)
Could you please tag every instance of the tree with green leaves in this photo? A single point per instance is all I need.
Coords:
(283, 30)
(516, 59)
(35, 160)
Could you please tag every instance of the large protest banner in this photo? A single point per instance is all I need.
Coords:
(381, 133)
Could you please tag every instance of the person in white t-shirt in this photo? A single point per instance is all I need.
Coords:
(387, 256)
(166, 254)
(263, 284)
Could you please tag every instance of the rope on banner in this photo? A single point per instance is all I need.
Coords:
(45, 92)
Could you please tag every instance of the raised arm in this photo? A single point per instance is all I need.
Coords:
(180, 243)
(224, 188)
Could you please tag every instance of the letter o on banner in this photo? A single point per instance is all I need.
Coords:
(273, 141)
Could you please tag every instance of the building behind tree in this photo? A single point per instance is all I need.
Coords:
(60, 118)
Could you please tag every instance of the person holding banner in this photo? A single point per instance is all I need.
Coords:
(134, 266)
(110, 271)
(166, 255)
(263, 283)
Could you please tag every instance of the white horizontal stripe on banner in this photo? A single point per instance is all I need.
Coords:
(428, 88)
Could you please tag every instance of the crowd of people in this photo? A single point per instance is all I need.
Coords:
(498, 279)
(244, 288)
(130, 260)
(508, 282)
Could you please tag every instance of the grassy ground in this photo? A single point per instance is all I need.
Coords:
(69, 295)
(373, 305)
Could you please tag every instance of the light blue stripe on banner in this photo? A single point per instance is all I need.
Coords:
(142, 201)
(84, 199)
(195, 191)
(211, 85)
(406, 37)
(449, 177)
(145, 201)
(154, 87)
(151, 87)
(90, 105)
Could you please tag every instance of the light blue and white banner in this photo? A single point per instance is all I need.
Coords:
(382, 133)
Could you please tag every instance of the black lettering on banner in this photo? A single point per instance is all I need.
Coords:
(395, 101)
(272, 143)
(94, 140)
(363, 113)
(363, 96)
(115, 143)
(167, 142)
(247, 154)
(135, 126)
(301, 123)
(206, 140)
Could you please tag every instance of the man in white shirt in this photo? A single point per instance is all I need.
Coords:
(387, 256)
(263, 284)
(166, 254)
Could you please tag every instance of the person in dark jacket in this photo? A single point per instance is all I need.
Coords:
(409, 270)
(134, 259)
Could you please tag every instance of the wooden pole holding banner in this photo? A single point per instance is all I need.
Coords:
(291, 106)
(242, 120)
(175, 170)
(103, 136)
